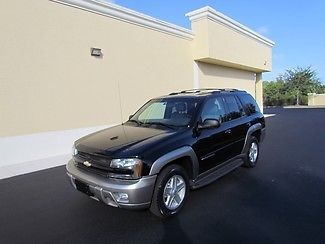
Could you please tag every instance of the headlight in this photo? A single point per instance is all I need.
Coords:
(130, 164)
(74, 150)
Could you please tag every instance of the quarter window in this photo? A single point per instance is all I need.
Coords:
(249, 104)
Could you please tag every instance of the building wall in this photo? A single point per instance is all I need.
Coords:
(223, 41)
(316, 99)
(211, 76)
(238, 49)
(259, 90)
(50, 82)
(52, 91)
(223, 77)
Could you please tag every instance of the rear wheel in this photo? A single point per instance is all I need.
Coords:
(170, 192)
(252, 153)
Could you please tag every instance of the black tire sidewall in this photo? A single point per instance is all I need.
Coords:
(177, 170)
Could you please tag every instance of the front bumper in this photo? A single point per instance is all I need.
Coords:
(105, 189)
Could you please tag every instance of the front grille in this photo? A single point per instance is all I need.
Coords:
(99, 165)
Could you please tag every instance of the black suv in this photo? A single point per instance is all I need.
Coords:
(170, 145)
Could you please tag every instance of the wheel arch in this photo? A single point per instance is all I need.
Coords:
(184, 156)
(254, 130)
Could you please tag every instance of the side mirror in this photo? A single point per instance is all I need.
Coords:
(208, 124)
(130, 116)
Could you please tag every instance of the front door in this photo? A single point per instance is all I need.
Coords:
(211, 145)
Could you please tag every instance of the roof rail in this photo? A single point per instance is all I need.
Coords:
(199, 90)
(205, 90)
(229, 89)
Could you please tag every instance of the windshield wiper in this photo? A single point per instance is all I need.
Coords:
(135, 121)
(160, 123)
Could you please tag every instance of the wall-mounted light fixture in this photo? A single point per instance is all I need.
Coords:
(96, 52)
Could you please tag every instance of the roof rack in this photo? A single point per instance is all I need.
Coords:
(212, 90)
(199, 90)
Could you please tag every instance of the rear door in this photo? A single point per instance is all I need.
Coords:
(236, 123)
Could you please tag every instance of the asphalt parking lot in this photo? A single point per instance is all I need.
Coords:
(282, 200)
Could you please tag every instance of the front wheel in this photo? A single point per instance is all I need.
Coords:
(170, 192)
(252, 153)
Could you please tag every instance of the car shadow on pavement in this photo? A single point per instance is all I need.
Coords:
(173, 231)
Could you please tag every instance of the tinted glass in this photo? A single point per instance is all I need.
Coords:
(154, 111)
(169, 111)
(249, 103)
(234, 108)
(214, 109)
(240, 105)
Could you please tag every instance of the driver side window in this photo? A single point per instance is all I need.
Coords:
(214, 109)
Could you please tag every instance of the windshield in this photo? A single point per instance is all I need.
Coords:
(167, 111)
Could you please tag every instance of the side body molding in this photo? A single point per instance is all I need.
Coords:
(251, 130)
(185, 151)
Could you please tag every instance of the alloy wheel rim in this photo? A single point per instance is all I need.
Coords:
(253, 152)
(174, 192)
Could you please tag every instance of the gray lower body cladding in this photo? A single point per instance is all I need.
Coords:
(104, 189)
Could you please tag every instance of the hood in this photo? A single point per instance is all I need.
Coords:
(121, 139)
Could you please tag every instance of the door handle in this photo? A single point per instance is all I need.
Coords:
(228, 131)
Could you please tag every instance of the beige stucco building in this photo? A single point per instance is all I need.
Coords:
(52, 90)
(316, 99)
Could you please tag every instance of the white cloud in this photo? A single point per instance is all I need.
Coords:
(263, 30)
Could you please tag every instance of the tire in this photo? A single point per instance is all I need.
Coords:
(165, 205)
(252, 153)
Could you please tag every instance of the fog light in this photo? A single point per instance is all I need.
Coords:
(121, 197)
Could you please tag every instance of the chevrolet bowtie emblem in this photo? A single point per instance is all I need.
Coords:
(86, 163)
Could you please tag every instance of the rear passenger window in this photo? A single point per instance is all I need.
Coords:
(249, 103)
(235, 109)
(214, 109)
(241, 108)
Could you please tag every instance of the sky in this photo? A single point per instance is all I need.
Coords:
(296, 27)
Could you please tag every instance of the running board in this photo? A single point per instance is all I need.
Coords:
(217, 172)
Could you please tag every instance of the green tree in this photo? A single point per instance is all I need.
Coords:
(273, 93)
(299, 82)
(292, 87)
